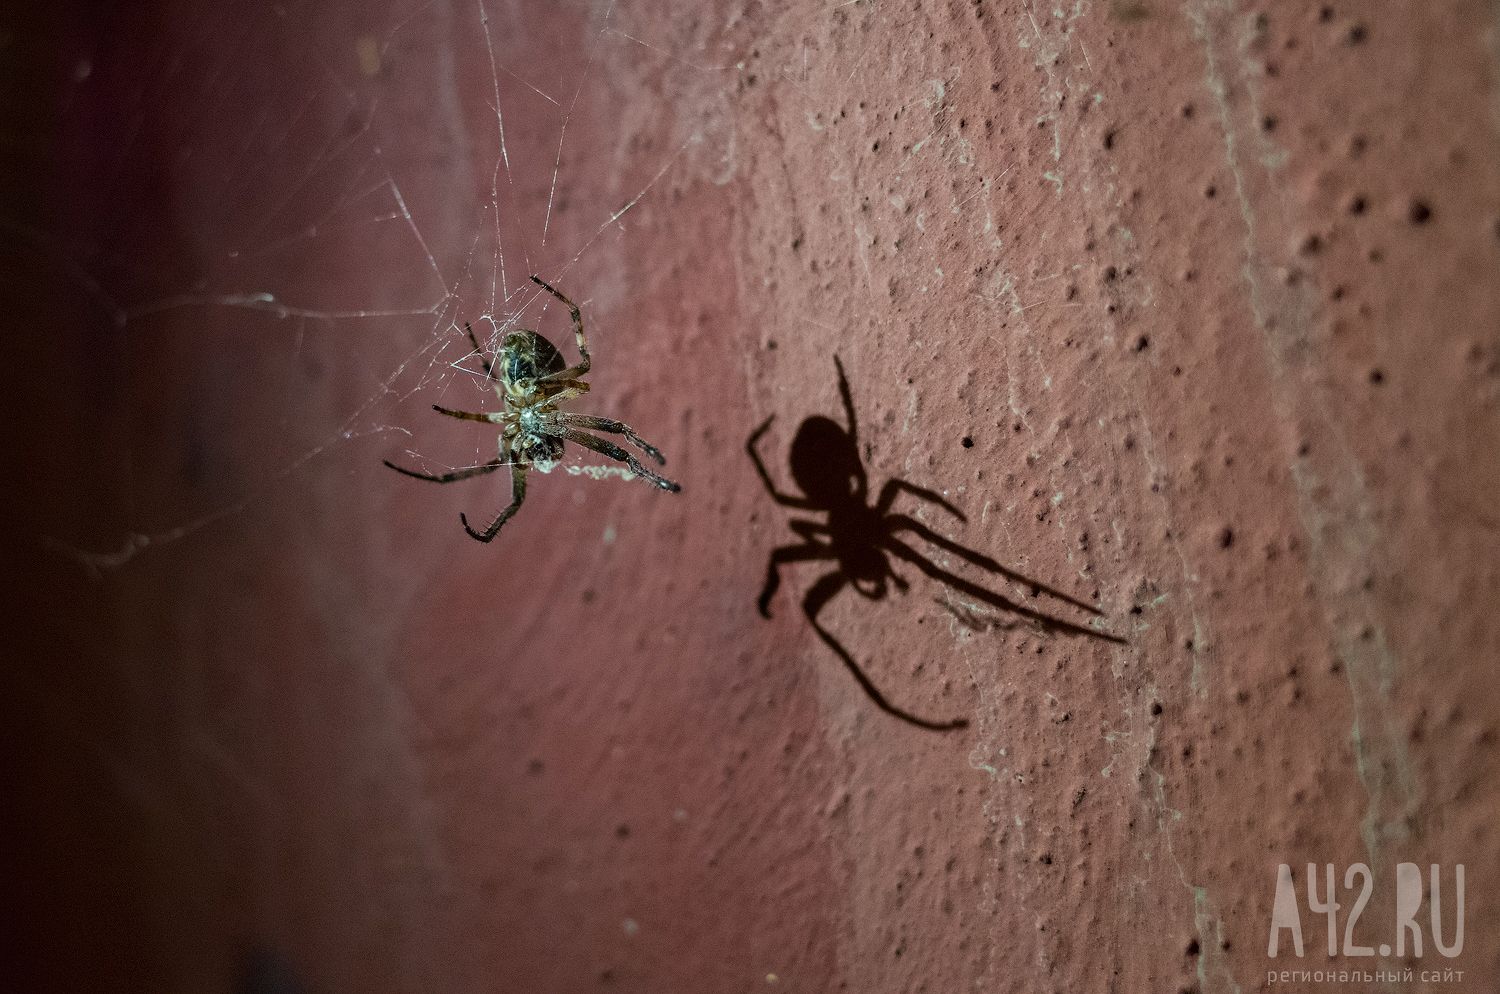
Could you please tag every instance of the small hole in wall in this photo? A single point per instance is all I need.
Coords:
(1377, 377)
(1358, 205)
(1357, 34)
(968, 442)
(1419, 212)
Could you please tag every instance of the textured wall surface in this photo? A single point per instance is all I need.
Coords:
(1191, 310)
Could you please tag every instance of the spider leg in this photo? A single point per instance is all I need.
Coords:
(613, 451)
(991, 598)
(892, 488)
(780, 557)
(566, 390)
(847, 398)
(900, 522)
(572, 372)
(463, 415)
(453, 477)
(474, 341)
(517, 495)
(619, 428)
(817, 598)
(785, 500)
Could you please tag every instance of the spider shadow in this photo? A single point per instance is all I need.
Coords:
(861, 539)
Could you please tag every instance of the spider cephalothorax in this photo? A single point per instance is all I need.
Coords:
(531, 378)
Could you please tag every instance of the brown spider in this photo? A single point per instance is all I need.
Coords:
(531, 380)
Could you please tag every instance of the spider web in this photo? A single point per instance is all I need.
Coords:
(319, 206)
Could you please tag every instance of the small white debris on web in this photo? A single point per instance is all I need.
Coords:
(600, 472)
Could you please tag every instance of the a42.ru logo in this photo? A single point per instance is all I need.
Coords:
(1286, 913)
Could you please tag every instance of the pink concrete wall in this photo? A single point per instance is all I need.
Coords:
(1192, 309)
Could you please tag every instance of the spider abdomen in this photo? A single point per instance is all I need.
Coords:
(524, 356)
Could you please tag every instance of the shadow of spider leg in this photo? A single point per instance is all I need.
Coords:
(901, 522)
(783, 556)
(895, 488)
(974, 590)
(817, 598)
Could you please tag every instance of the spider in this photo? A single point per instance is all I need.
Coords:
(857, 536)
(531, 379)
